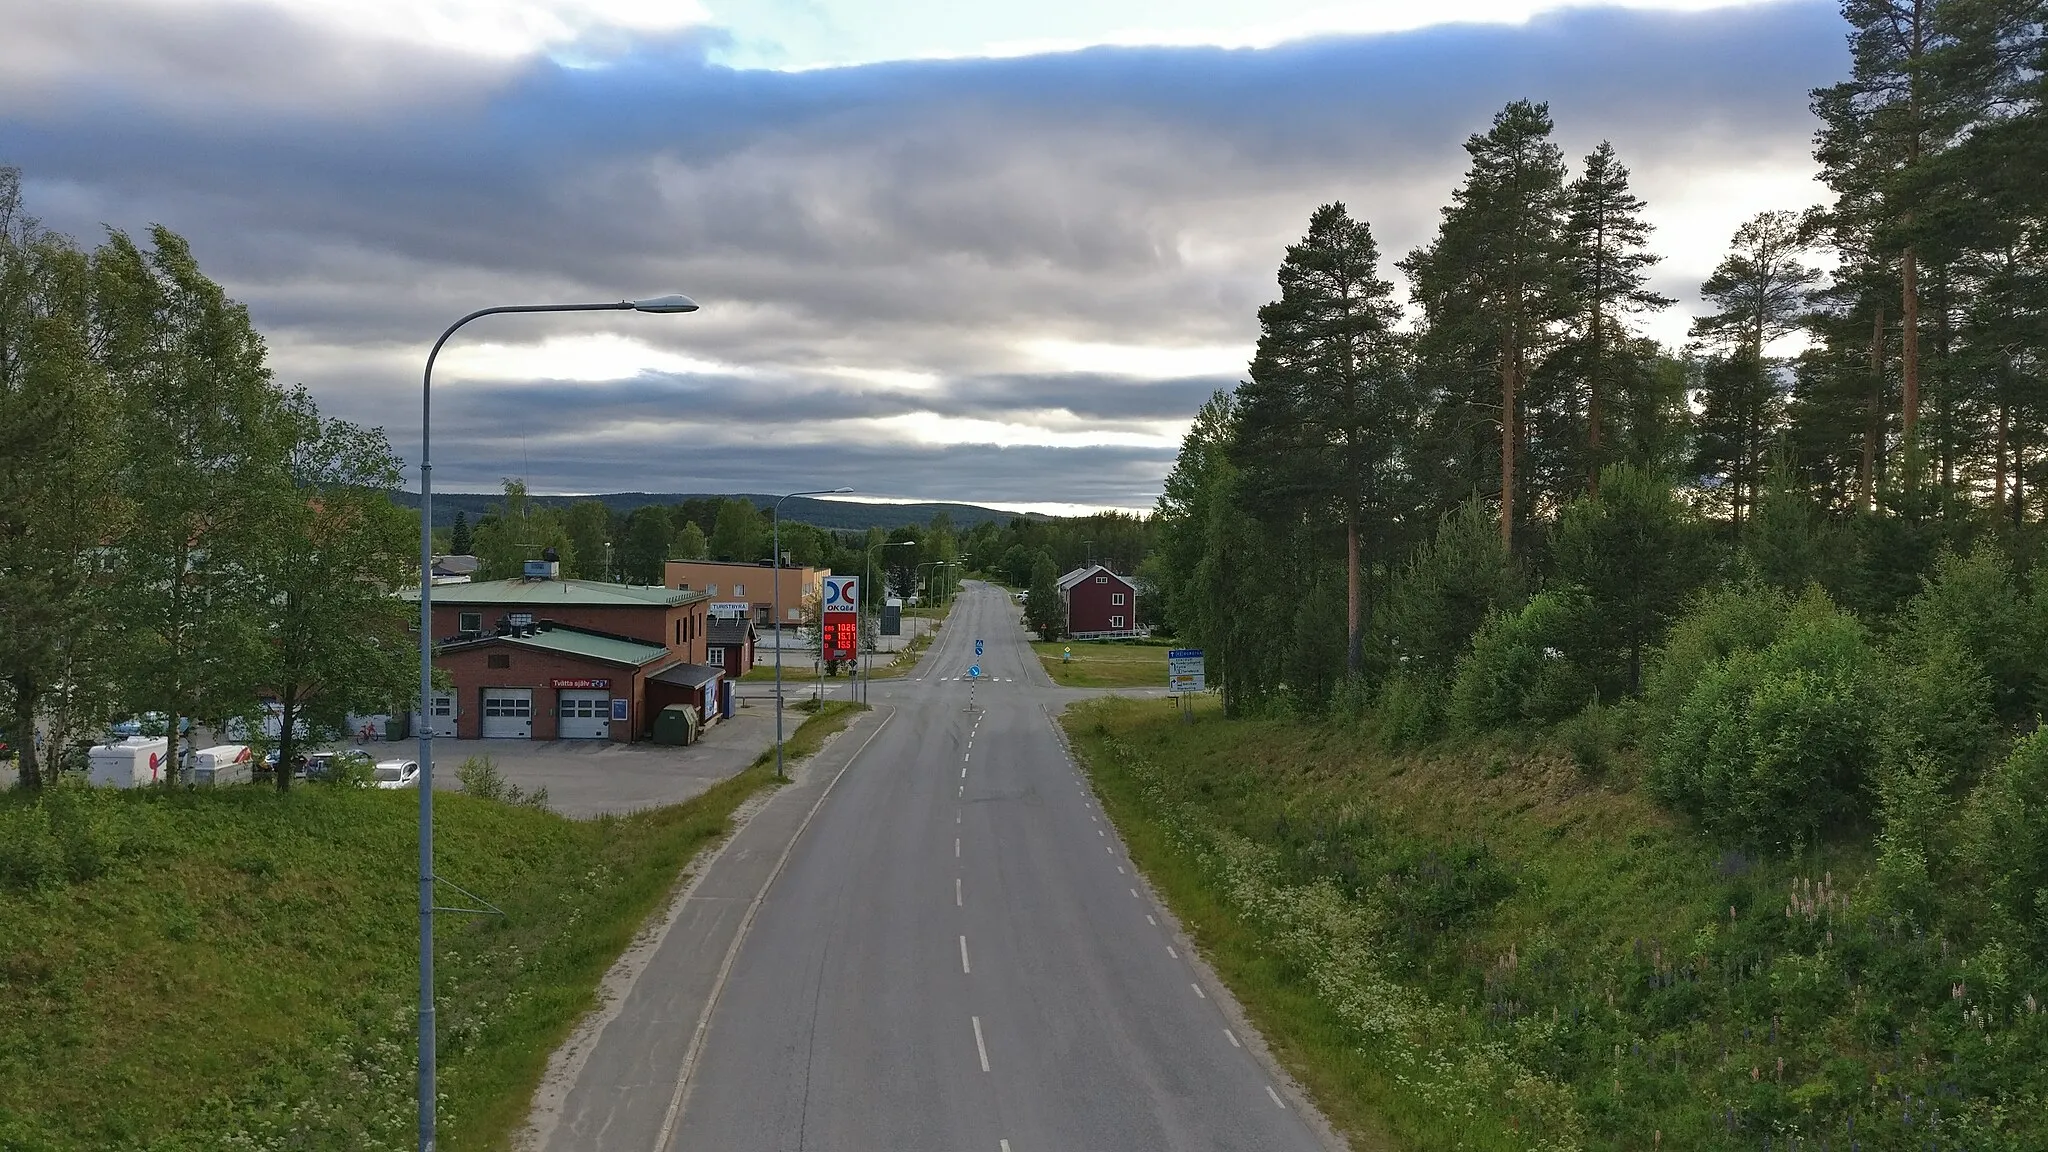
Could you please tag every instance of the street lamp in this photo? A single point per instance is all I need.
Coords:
(656, 304)
(775, 528)
(866, 675)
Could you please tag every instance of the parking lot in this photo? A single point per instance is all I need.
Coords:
(590, 777)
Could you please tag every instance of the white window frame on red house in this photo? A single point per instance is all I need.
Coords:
(1116, 599)
(1116, 621)
(1102, 579)
(715, 655)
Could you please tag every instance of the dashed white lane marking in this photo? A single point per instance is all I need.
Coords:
(962, 792)
(1276, 1097)
(1100, 832)
(1150, 920)
(1108, 849)
(956, 894)
(965, 759)
(963, 773)
(956, 847)
(1119, 869)
(1134, 893)
(978, 1045)
(1232, 1037)
(1005, 1145)
(1169, 952)
(964, 969)
(1198, 991)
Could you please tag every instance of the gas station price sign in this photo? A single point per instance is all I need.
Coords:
(840, 635)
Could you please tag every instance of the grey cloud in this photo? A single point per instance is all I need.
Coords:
(916, 216)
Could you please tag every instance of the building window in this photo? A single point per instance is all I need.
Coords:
(1116, 621)
(522, 619)
(1102, 579)
(793, 613)
(469, 623)
(716, 656)
(1116, 598)
(737, 590)
(679, 631)
(498, 660)
(711, 589)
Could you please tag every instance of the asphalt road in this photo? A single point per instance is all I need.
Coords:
(952, 954)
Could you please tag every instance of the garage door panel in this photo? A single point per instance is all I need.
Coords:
(508, 714)
(583, 714)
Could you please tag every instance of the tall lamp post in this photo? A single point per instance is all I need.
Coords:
(866, 674)
(656, 304)
(775, 530)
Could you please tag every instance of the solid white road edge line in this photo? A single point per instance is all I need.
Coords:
(696, 1048)
(979, 1047)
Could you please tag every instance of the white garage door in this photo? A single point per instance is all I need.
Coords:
(508, 713)
(585, 714)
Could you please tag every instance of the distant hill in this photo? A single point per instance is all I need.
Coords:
(849, 515)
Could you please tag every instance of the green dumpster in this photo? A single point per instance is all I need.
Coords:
(676, 724)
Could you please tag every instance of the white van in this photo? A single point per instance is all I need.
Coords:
(133, 763)
(221, 764)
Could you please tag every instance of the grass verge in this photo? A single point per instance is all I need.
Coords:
(1104, 663)
(1477, 946)
(232, 968)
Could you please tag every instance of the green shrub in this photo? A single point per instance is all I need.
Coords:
(1972, 601)
(1520, 668)
(1410, 711)
(1937, 708)
(1591, 736)
(1775, 745)
(2004, 850)
(1718, 624)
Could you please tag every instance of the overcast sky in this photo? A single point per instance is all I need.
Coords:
(946, 250)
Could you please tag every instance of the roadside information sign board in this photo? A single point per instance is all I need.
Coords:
(1184, 670)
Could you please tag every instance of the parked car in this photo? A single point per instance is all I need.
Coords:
(322, 765)
(397, 774)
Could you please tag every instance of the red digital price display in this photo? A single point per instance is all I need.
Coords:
(839, 636)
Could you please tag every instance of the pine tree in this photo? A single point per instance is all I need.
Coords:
(458, 536)
(1493, 289)
(1607, 247)
(1321, 421)
(1760, 291)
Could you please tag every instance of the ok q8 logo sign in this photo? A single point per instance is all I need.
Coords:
(842, 593)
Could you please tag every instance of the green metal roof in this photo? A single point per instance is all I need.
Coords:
(573, 593)
(574, 643)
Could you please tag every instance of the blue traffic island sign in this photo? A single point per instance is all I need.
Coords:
(974, 673)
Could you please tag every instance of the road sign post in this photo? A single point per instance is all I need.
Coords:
(973, 678)
(1185, 676)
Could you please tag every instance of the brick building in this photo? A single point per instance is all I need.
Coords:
(549, 659)
(1098, 603)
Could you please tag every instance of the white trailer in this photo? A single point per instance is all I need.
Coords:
(222, 764)
(133, 763)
